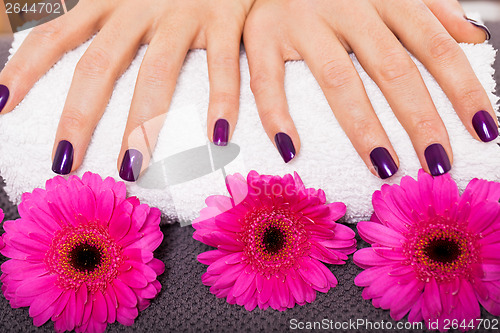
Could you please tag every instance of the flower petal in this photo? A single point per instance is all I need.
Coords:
(377, 234)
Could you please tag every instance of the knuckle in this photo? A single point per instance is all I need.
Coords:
(365, 130)
(227, 99)
(426, 126)
(225, 62)
(95, 62)
(49, 32)
(336, 74)
(396, 67)
(259, 82)
(74, 120)
(470, 96)
(157, 72)
(442, 47)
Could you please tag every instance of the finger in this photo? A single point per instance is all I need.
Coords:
(452, 17)
(223, 52)
(267, 75)
(152, 96)
(344, 90)
(426, 38)
(42, 48)
(390, 66)
(106, 58)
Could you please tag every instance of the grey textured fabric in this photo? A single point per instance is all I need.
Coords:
(185, 304)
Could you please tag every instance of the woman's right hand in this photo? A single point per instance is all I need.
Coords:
(323, 32)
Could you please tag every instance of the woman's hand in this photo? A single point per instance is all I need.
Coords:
(171, 28)
(322, 32)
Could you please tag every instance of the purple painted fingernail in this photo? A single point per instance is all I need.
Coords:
(383, 163)
(4, 96)
(131, 165)
(480, 26)
(221, 132)
(485, 126)
(437, 160)
(285, 146)
(63, 159)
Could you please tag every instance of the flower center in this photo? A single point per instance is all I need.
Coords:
(85, 257)
(84, 254)
(273, 239)
(442, 250)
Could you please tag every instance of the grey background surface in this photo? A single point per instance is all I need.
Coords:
(185, 304)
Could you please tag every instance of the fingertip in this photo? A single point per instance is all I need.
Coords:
(63, 156)
(131, 165)
(384, 165)
(4, 97)
(483, 28)
(285, 146)
(220, 133)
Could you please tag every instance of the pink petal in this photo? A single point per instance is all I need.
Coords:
(468, 299)
(105, 205)
(100, 308)
(119, 226)
(367, 257)
(133, 278)
(228, 277)
(157, 265)
(81, 299)
(312, 274)
(368, 276)
(408, 296)
(111, 307)
(296, 286)
(138, 254)
(377, 234)
(242, 283)
(36, 286)
(69, 313)
(431, 305)
(124, 295)
(43, 301)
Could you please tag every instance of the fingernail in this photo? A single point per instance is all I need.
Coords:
(131, 165)
(383, 163)
(285, 146)
(480, 26)
(485, 126)
(221, 132)
(437, 160)
(63, 159)
(4, 96)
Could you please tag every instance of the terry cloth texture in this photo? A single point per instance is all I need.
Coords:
(326, 160)
(185, 304)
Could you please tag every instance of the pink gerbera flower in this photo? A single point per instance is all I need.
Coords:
(1, 237)
(271, 236)
(434, 254)
(82, 254)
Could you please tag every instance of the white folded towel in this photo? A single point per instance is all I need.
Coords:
(327, 159)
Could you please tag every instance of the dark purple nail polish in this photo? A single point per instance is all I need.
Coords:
(131, 165)
(221, 132)
(437, 160)
(285, 146)
(4, 96)
(383, 163)
(480, 26)
(63, 159)
(485, 126)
